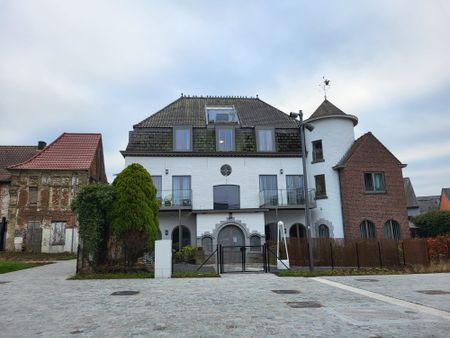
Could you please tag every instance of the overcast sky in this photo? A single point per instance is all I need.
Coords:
(102, 66)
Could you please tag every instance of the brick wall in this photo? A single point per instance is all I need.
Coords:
(357, 205)
(56, 190)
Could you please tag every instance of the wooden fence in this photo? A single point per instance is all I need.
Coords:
(339, 252)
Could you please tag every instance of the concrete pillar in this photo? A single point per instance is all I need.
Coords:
(163, 258)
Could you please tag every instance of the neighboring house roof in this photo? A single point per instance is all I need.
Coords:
(446, 191)
(428, 203)
(329, 110)
(411, 199)
(190, 110)
(11, 155)
(355, 146)
(70, 151)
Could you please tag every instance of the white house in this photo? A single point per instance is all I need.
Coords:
(227, 169)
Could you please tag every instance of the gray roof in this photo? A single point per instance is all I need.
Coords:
(327, 109)
(11, 155)
(428, 203)
(188, 110)
(411, 199)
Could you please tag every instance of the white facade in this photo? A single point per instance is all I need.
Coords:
(253, 217)
(337, 135)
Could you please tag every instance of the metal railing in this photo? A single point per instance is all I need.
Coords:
(286, 198)
(175, 198)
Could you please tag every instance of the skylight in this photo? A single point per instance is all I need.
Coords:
(221, 114)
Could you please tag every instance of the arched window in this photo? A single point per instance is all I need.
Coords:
(392, 229)
(324, 231)
(255, 243)
(207, 244)
(367, 229)
(297, 230)
(185, 237)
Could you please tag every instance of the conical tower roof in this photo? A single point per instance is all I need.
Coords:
(329, 110)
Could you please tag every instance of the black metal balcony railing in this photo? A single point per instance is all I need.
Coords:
(175, 198)
(286, 198)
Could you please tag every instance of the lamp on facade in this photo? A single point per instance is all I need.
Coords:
(310, 127)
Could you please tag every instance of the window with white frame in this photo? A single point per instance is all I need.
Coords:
(265, 139)
(182, 138)
(221, 114)
(225, 138)
(157, 183)
(374, 182)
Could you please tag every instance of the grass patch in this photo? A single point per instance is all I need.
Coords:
(195, 274)
(15, 266)
(113, 275)
(338, 272)
(34, 257)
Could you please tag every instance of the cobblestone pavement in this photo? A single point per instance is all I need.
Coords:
(40, 302)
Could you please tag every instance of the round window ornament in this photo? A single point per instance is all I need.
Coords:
(225, 170)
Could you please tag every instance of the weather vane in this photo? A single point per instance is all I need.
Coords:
(325, 85)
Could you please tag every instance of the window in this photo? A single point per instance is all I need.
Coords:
(226, 197)
(181, 191)
(367, 229)
(317, 151)
(157, 182)
(324, 231)
(32, 196)
(321, 191)
(374, 182)
(255, 243)
(207, 244)
(268, 189)
(221, 114)
(392, 229)
(58, 234)
(182, 138)
(297, 230)
(225, 138)
(265, 139)
(294, 190)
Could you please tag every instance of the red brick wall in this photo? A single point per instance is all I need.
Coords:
(445, 203)
(357, 205)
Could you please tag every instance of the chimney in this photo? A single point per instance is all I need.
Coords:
(41, 145)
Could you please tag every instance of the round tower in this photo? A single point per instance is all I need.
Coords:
(326, 145)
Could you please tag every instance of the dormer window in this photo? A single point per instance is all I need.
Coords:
(221, 114)
(182, 138)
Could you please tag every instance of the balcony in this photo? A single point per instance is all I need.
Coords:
(175, 199)
(286, 198)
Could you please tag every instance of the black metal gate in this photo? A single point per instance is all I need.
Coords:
(246, 258)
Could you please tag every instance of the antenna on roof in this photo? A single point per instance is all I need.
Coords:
(257, 96)
(181, 94)
(325, 86)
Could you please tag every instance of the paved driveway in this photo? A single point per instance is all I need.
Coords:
(40, 302)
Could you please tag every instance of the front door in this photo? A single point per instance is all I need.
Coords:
(231, 235)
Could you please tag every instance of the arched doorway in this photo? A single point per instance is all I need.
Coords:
(231, 235)
(297, 230)
(185, 237)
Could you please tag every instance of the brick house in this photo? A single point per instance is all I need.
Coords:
(444, 201)
(373, 193)
(42, 189)
(11, 155)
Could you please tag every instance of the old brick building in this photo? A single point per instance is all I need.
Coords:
(42, 189)
(372, 189)
(11, 155)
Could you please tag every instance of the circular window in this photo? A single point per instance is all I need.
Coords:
(225, 170)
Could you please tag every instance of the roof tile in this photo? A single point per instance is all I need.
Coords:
(70, 151)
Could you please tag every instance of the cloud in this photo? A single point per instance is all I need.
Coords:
(105, 65)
